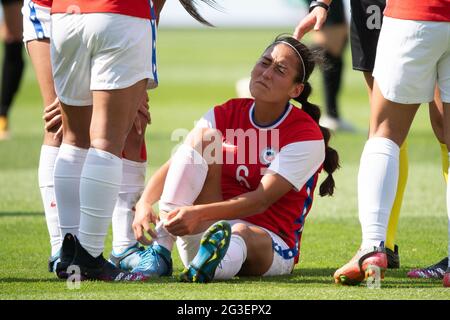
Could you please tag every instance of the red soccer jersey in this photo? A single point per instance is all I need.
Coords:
(429, 10)
(44, 3)
(285, 217)
(134, 8)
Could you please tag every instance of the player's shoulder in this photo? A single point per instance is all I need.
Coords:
(302, 125)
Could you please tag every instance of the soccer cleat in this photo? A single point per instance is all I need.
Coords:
(53, 262)
(435, 271)
(128, 259)
(66, 254)
(366, 263)
(446, 280)
(4, 132)
(213, 247)
(155, 261)
(91, 268)
(393, 258)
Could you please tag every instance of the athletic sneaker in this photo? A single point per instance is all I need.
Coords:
(128, 259)
(435, 271)
(213, 247)
(446, 280)
(99, 268)
(67, 252)
(53, 262)
(155, 261)
(366, 263)
(393, 259)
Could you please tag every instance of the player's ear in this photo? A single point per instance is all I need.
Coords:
(296, 90)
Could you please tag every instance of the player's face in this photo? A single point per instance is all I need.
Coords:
(273, 77)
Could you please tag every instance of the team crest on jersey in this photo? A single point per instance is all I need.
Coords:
(267, 156)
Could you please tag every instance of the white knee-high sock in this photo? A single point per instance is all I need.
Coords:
(233, 260)
(184, 182)
(133, 181)
(377, 184)
(99, 188)
(448, 213)
(68, 167)
(47, 187)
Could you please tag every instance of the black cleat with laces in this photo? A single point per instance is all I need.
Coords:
(99, 268)
(67, 253)
(393, 258)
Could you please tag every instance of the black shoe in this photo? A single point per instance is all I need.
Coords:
(393, 258)
(66, 256)
(91, 268)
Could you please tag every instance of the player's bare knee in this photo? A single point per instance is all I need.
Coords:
(243, 231)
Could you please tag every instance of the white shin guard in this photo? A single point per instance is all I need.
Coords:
(99, 187)
(133, 182)
(68, 167)
(377, 185)
(47, 187)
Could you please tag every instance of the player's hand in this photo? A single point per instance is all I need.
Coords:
(183, 221)
(315, 19)
(53, 119)
(143, 116)
(144, 217)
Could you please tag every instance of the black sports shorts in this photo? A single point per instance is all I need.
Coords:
(365, 25)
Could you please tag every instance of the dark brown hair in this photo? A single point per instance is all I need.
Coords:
(305, 69)
(190, 7)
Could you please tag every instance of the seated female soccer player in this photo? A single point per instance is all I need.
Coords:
(254, 163)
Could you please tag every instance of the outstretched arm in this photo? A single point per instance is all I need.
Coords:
(315, 19)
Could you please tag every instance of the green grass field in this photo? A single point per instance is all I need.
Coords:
(198, 69)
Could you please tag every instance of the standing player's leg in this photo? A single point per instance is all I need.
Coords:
(36, 36)
(126, 252)
(13, 63)
(436, 110)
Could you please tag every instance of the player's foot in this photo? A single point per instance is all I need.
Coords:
(213, 246)
(4, 131)
(155, 261)
(366, 263)
(446, 280)
(393, 258)
(53, 262)
(66, 254)
(435, 271)
(128, 259)
(99, 268)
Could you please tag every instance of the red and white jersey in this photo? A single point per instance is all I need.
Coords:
(292, 147)
(420, 10)
(134, 8)
(44, 3)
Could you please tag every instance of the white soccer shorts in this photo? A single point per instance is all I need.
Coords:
(100, 51)
(412, 56)
(36, 21)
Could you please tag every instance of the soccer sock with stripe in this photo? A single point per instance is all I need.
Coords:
(377, 184)
(233, 260)
(47, 187)
(99, 188)
(133, 181)
(397, 206)
(68, 167)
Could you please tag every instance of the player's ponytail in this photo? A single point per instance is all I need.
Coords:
(307, 62)
(331, 162)
(189, 6)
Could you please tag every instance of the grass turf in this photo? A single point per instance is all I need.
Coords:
(198, 69)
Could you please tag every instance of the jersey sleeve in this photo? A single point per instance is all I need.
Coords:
(208, 120)
(297, 162)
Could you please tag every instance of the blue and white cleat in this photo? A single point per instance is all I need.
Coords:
(53, 262)
(213, 247)
(128, 259)
(155, 261)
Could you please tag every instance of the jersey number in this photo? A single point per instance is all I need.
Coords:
(241, 174)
